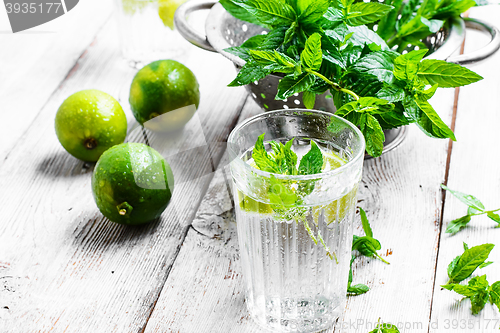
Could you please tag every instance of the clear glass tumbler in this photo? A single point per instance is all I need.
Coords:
(295, 283)
(146, 30)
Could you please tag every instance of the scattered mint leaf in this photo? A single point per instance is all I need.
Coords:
(468, 262)
(357, 289)
(385, 328)
(485, 264)
(495, 294)
(457, 224)
(475, 208)
(367, 245)
(364, 222)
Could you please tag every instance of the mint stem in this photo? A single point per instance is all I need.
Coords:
(333, 84)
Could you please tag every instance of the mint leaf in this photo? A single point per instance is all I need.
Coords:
(309, 98)
(452, 265)
(261, 158)
(366, 12)
(312, 55)
(281, 197)
(290, 85)
(269, 12)
(239, 12)
(391, 93)
(364, 222)
(455, 8)
(385, 328)
(457, 224)
(469, 261)
(373, 133)
(314, 11)
(427, 119)
(467, 199)
(478, 301)
(255, 41)
(249, 73)
(485, 264)
(387, 24)
(495, 217)
(445, 74)
(495, 294)
(273, 61)
(312, 162)
(406, 65)
(379, 64)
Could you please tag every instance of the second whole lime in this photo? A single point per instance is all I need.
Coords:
(132, 184)
(164, 95)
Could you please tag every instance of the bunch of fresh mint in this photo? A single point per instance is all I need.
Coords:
(476, 208)
(324, 45)
(478, 290)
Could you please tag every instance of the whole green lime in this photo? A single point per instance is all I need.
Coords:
(164, 95)
(89, 122)
(132, 184)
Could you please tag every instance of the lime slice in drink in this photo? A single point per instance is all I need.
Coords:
(166, 10)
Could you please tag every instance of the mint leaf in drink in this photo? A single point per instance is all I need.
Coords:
(446, 74)
(468, 262)
(312, 162)
(312, 56)
(261, 158)
(281, 197)
(361, 13)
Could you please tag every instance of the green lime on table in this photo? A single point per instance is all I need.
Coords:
(89, 122)
(164, 95)
(132, 184)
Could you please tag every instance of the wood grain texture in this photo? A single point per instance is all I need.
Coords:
(204, 292)
(34, 63)
(65, 268)
(473, 170)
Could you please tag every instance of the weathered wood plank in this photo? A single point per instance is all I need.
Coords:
(63, 267)
(204, 291)
(473, 170)
(34, 63)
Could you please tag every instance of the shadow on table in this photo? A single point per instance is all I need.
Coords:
(62, 164)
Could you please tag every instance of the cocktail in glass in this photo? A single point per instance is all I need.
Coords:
(295, 254)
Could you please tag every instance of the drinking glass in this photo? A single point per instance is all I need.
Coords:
(294, 283)
(146, 30)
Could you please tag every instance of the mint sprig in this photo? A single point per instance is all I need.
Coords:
(475, 208)
(329, 45)
(284, 199)
(477, 289)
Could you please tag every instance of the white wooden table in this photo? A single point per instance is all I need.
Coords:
(65, 268)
